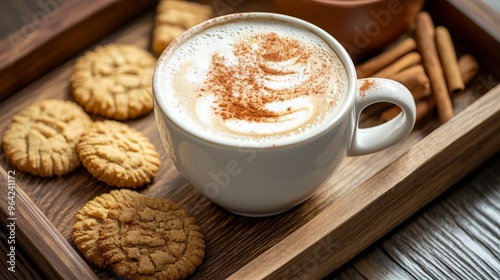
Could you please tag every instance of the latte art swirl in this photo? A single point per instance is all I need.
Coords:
(275, 80)
(258, 82)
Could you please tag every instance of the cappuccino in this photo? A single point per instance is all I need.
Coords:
(256, 81)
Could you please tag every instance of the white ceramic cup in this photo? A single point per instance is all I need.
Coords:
(260, 180)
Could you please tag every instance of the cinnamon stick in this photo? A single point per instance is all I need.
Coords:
(411, 76)
(390, 113)
(448, 58)
(468, 68)
(420, 91)
(424, 36)
(397, 66)
(420, 97)
(424, 107)
(380, 61)
(415, 79)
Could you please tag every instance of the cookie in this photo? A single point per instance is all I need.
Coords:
(152, 239)
(118, 155)
(114, 81)
(89, 219)
(41, 139)
(174, 17)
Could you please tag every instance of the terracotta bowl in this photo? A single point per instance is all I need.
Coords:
(361, 26)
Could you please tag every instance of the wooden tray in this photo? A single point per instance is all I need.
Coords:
(367, 197)
(57, 31)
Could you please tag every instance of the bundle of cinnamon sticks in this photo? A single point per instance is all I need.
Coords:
(427, 65)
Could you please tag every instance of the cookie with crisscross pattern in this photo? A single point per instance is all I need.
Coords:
(42, 138)
(89, 219)
(118, 155)
(114, 81)
(151, 239)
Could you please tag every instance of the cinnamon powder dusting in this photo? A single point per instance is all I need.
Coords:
(242, 89)
(367, 84)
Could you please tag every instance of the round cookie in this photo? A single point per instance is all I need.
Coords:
(152, 239)
(89, 219)
(41, 139)
(118, 155)
(174, 17)
(114, 81)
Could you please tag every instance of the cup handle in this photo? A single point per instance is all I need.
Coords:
(376, 138)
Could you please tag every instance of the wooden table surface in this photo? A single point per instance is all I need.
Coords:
(456, 237)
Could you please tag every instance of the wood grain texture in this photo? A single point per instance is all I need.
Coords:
(47, 247)
(457, 237)
(25, 268)
(234, 241)
(55, 30)
(14, 14)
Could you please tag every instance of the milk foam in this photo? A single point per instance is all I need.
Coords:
(234, 81)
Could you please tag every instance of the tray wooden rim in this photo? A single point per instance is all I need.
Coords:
(94, 18)
(62, 261)
(34, 231)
